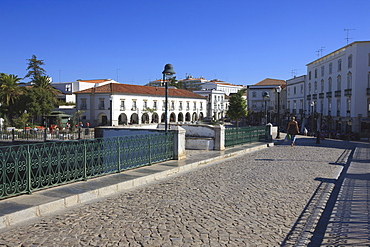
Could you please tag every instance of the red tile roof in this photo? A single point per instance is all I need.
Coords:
(117, 88)
(268, 82)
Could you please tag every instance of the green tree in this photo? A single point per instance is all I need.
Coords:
(10, 92)
(44, 82)
(237, 106)
(39, 101)
(34, 68)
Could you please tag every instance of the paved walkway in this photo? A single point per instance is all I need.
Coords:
(307, 195)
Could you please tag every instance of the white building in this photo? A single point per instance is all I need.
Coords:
(338, 88)
(218, 85)
(68, 88)
(119, 104)
(190, 83)
(217, 105)
(295, 98)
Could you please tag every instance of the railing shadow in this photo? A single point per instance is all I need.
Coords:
(307, 220)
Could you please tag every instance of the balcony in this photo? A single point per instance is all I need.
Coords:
(122, 108)
(348, 92)
(368, 91)
(338, 93)
(133, 108)
(314, 96)
(321, 95)
(328, 94)
(308, 97)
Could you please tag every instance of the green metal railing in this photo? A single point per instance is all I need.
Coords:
(242, 135)
(27, 168)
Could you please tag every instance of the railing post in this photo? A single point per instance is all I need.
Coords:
(85, 160)
(28, 162)
(119, 155)
(219, 137)
(150, 150)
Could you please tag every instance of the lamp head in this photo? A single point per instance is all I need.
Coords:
(278, 89)
(168, 70)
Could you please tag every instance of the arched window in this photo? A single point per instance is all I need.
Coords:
(339, 64)
(350, 61)
(349, 80)
(322, 86)
(330, 84)
(339, 82)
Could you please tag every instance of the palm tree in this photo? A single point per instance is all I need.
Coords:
(9, 91)
(44, 82)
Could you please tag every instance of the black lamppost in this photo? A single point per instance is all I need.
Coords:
(278, 90)
(266, 96)
(168, 70)
(312, 117)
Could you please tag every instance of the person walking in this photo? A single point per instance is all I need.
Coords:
(293, 130)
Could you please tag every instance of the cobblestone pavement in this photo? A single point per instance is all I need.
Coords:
(248, 200)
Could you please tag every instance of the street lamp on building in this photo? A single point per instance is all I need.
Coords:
(278, 91)
(168, 70)
(265, 96)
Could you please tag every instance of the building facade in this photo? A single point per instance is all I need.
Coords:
(338, 89)
(217, 104)
(295, 98)
(258, 105)
(117, 104)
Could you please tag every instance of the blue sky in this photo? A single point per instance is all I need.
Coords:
(239, 41)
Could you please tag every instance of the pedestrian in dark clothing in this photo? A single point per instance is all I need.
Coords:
(292, 130)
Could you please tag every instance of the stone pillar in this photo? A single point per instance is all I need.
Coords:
(219, 137)
(269, 131)
(179, 142)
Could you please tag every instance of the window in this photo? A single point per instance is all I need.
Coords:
(295, 90)
(83, 104)
(369, 59)
(195, 106)
(145, 105)
(309, 74)
(315, 87)
(122, 106)
(155, 105)
(321, 106)
(301, 89)
(201, 106)
(288, 91)
(187, 105)
(350, 61)
(180, 106)
(254, 94)
(330, 84)
(339, 64)
(309, 88)
(134, 107)
(330, 68)
(338, 107)
(348, 105)
(339, 82)
(172, 105)
(315, 73)
(329, 106)
(68, 88)
(101, 104)
(322, 71)
(349, 80)
(322, 86)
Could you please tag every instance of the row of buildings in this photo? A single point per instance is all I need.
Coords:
(333, 95)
